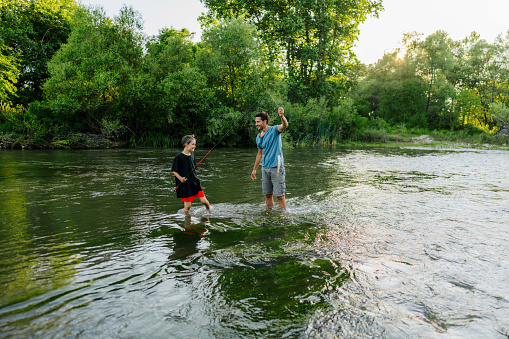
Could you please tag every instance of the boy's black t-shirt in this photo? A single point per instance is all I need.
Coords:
(186, 165)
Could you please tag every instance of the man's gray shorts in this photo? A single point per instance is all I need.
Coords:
(273, 183)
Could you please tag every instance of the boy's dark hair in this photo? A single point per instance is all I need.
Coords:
(262, 115)
(187, 138)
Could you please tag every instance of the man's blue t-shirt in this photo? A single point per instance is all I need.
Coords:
(272, 147)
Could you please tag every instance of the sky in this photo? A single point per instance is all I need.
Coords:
(458, 18)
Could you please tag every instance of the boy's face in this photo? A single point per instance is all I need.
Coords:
(191, 145)
(260, 124)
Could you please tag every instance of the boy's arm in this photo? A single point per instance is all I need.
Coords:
(257, 163)
(179, 177)
(284, 122)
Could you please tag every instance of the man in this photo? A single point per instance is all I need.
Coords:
(270, 154)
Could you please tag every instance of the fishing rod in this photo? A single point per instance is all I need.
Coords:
(206, 155)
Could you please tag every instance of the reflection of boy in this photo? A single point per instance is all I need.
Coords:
(270, 155)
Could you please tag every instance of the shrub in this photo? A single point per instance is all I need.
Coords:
(112, 128)
(375, 135)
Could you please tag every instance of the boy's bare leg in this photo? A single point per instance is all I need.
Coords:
(205, 202)
(187, 207)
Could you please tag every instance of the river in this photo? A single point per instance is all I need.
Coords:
(376, 242)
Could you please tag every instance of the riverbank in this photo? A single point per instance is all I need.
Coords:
(442, 139)
(74, 141)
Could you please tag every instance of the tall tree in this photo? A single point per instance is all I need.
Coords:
(173, 91)
(34, 31)
(90, 73)
(315, 38)
(231, 58)
(233, 61)
(394, 90)
(8, 73)
(482, 68)
(434, 59)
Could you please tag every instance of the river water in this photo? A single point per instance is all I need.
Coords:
(386, 243)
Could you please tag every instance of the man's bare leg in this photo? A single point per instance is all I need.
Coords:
(282, 202)
(269, 201)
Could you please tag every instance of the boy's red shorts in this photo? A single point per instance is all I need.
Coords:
(191, 198)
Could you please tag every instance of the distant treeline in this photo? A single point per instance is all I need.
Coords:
(67, 71)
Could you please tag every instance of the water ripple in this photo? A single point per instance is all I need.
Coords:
(382, 243)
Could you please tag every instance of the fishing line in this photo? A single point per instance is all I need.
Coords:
(274, 100)
(249, 109)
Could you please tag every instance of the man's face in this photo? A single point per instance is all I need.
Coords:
(260, 124)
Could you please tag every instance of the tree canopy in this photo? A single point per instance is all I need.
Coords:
(8, 73)
(67, 70)
(441, 83)
(314, 38)
(34, 31)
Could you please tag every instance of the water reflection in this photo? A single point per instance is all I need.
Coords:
(265, 277)
(35, 260)
(190, 239)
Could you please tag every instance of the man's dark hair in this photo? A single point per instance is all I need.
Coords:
(262, 115)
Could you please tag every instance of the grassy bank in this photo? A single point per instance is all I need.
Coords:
(24, 130)
(399, 136)
(379, 138)
(441, 139)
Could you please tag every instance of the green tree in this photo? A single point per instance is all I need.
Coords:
(500, 112)
(502, 43)
(314, 38)
(394, 91)
(90, 73)
(230, 57)
(434, 59)
(482, 68)
(468, 106)
(237, 70)
(176, 96)
(8, 73)
(34, 31)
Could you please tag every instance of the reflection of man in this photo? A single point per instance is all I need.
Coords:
(270, 154)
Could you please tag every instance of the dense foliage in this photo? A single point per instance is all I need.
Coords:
(440, 83)
(71, 76)
(315, 39)
(33, 31)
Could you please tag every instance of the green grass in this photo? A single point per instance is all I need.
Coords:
(153, 140)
